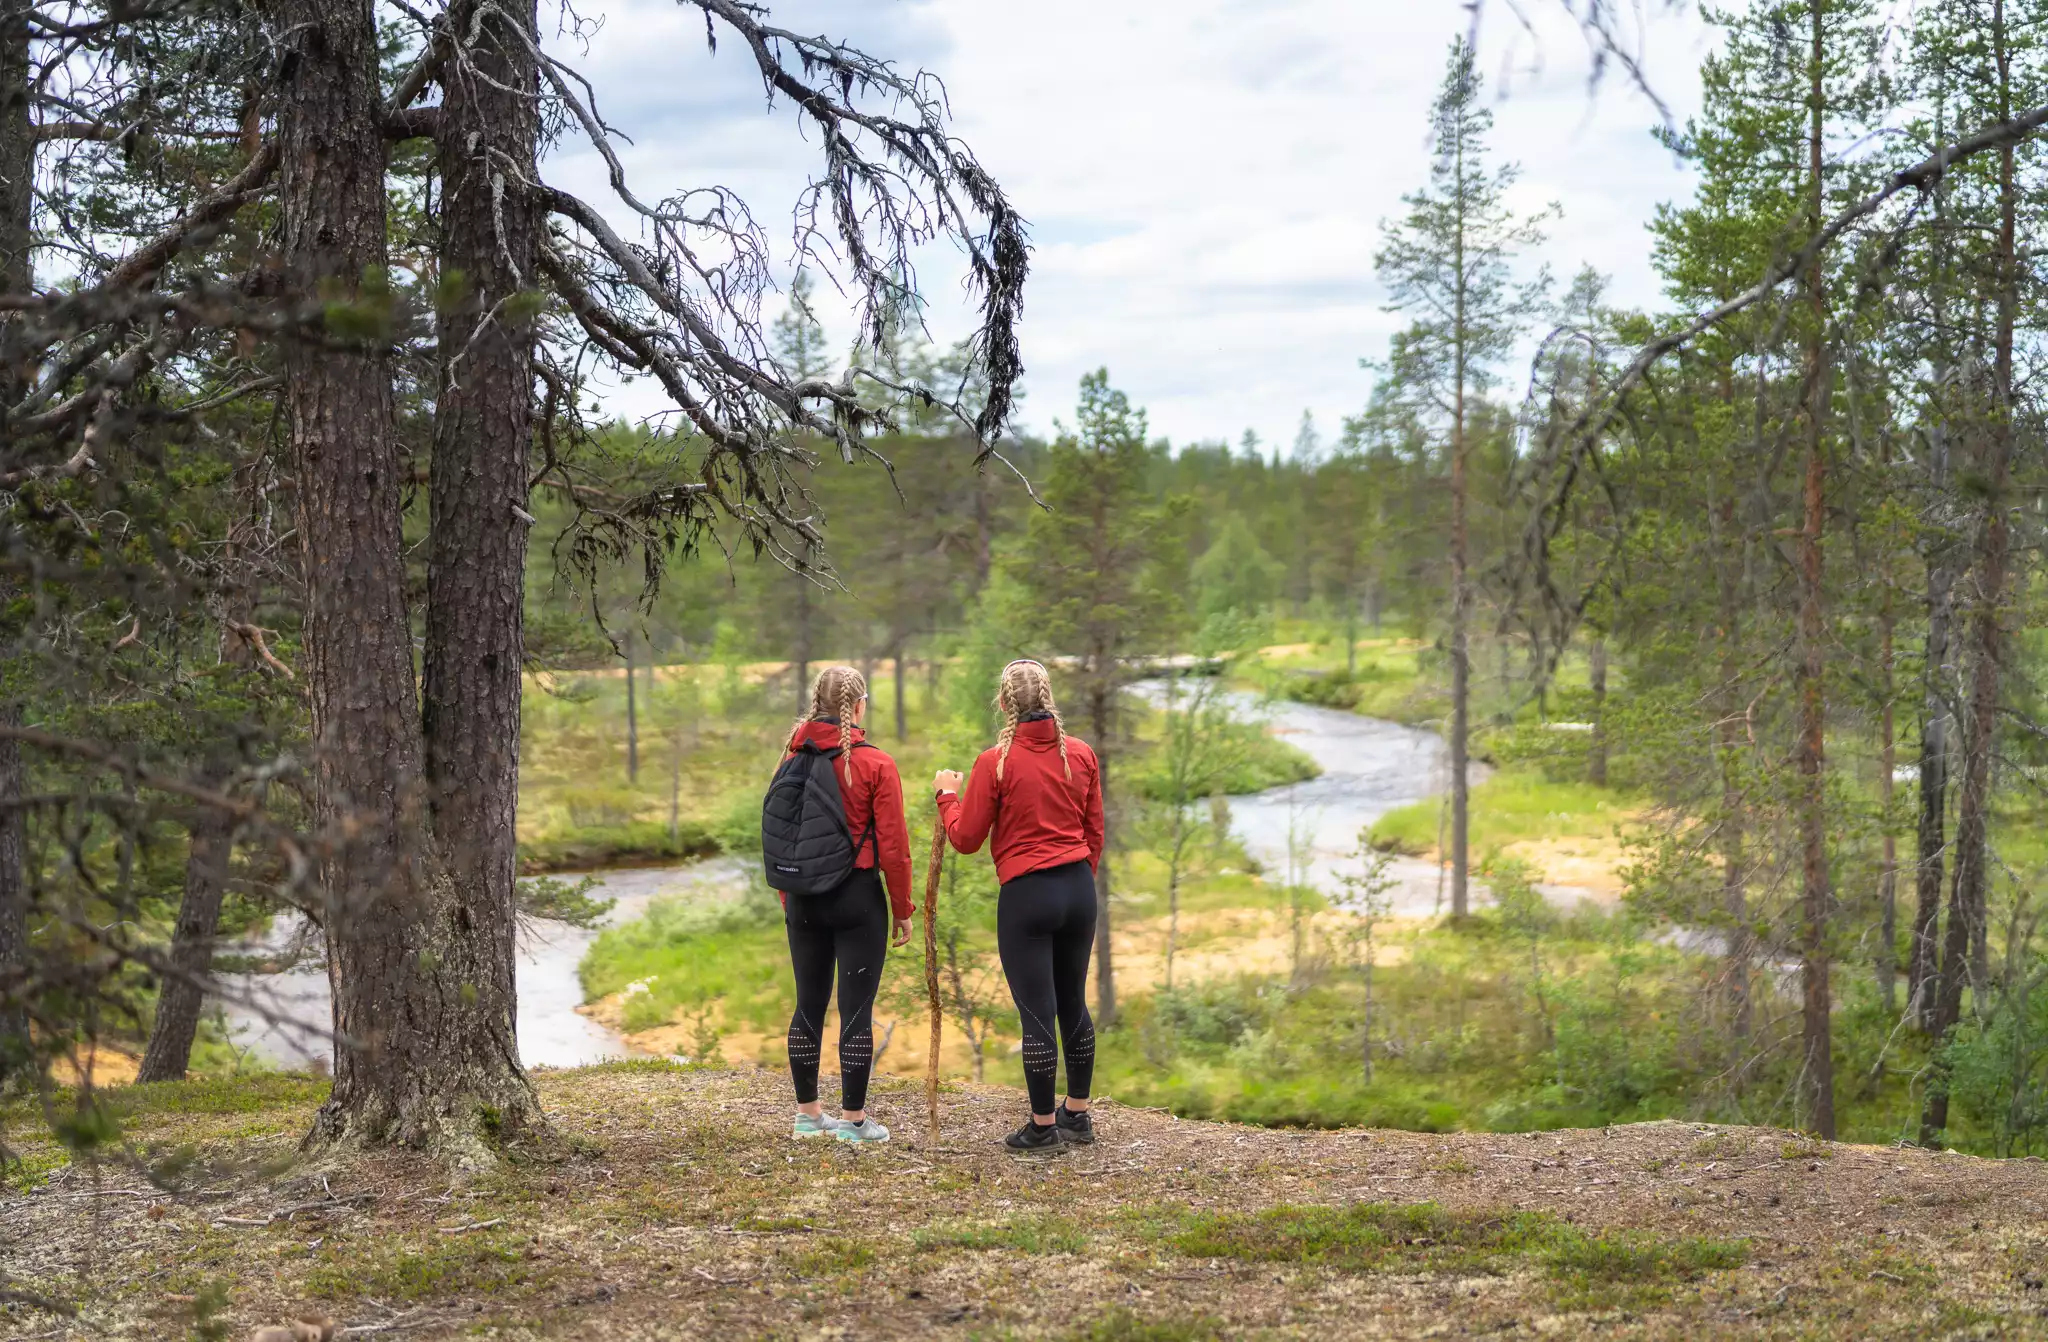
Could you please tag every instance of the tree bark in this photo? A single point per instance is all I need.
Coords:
(1887, 764)
(1461, 600)
(1596, 674)
(487, 138)
(1101, 708)
(17, 276)
(632, 717)
(1817, 1072)
(1965, 951)
(183, 993)
(896, 666)
(1728, 742)
(424, 1055)
(802, 666)
(1923, 966)
(15, 978)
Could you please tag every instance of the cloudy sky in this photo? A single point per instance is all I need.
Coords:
(1205, 179)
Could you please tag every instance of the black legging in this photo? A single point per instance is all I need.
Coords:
(847, 927)
(1045, 931)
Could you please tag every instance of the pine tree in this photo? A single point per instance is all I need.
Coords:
(1096, 572)
(1449, 266)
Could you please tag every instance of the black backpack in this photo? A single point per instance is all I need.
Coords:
(806, 847)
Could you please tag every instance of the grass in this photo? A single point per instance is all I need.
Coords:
(1515, 806)
(1394, 678)
(682, 955)
(1025, 1234)
(1428, 1237)
(477, 1262)
(1126, 1325)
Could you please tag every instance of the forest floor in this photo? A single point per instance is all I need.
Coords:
(674, 1205)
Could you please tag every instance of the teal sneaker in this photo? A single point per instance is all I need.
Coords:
(815, 1125)
(867, 1130)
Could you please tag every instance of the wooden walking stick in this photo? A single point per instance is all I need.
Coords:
(931, 964)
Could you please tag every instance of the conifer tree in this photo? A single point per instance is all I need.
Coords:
(1449, 266)
(1096, 570)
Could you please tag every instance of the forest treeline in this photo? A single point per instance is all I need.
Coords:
(304, 469)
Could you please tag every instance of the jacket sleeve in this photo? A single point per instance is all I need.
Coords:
(1091, 817)
(892, 837)
(969, 816)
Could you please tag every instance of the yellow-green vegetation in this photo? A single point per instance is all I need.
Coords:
(1401, 679)
(1518, 1019)
(683, 956)
(1515, 806)
(708, 739)
(1593, 1270)
(669, 1201)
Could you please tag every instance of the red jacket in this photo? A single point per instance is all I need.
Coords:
(1041, 818)
(871, 789)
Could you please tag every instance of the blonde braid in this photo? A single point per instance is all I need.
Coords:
(835, 693)
(1009, 731)
(850, 692)
(1027, 688)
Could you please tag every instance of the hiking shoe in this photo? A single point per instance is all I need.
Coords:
(1035, 1136)
(814, 1125)
(867, 1130)
(1078, 1129)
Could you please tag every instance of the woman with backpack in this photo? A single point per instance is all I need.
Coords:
(1040, 792)
(832, 833)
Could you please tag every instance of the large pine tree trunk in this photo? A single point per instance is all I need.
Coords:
(476, 570)
(17, 200)
(183, 995)
(1817, 1071)
(418, 1059)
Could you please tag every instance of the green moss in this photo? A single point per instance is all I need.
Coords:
(832, 1257)
(247, 1093)
(401, 1269)
(1025, 1234)
(1123, 1325)
(1364, 1236)
(1585, 1269)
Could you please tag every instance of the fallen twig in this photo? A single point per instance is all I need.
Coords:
(41, 1302)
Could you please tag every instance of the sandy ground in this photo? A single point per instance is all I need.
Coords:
(671, 1203)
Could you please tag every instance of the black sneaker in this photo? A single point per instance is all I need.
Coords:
(1078, 1129)
(1035, 1136)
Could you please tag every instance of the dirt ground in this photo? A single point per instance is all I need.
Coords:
(672, 1204)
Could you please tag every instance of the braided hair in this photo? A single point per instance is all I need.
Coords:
(1026, 688)
(835, 694)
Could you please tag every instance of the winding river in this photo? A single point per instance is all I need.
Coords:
(1369, 767)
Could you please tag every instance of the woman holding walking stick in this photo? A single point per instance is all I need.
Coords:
(1039, 791)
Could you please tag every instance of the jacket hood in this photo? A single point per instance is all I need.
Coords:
(824, 734)
(1043, 734)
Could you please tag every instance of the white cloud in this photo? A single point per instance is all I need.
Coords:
(1205, 178)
